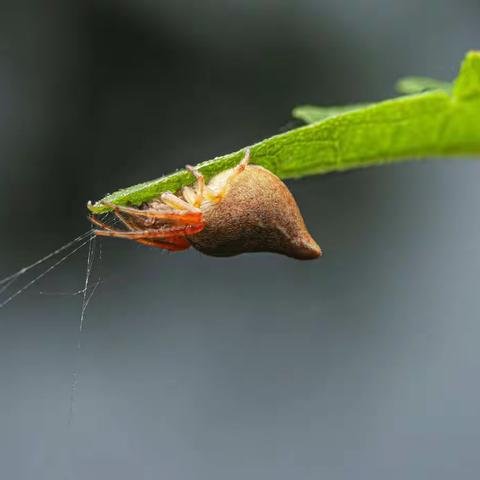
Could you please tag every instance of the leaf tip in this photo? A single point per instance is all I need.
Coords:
(467, 84)
(97, 207)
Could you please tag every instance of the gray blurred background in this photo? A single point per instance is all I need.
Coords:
(362, 365)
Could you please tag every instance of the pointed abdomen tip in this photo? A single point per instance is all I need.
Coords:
(307, 249)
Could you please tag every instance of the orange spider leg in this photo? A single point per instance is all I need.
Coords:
(103, 225)
(175, 244)
(129, 224)
(100, 224)
(162, 233)
(191, 216)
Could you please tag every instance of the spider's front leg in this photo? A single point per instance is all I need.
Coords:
(159, 233)
(174, 220)
(176, 211)
(174, 244)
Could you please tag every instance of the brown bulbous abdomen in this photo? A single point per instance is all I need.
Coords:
(258, 214)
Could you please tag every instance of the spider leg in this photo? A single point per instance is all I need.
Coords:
(126, 222)
(200, 185)
(217, 196)
(162, 233)
(189, 195)
(100, 224)
(104, 226)
(177, 203)
(175, 244)
(245, 161)
(188, 215)
(240, 167)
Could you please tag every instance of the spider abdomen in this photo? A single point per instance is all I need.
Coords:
(257, 214)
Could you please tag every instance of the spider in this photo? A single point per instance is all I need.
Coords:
(243, 209)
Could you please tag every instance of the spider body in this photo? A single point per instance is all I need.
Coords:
(244, 209)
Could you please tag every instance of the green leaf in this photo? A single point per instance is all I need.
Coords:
(412, 85)
(467, 85)
(312, 113)
(406, 85)
(434, 123)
